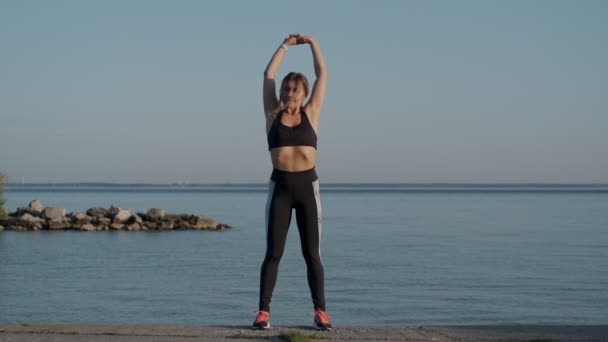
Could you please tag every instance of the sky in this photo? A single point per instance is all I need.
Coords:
(418, 91)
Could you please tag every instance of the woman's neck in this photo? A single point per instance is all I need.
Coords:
(292, 110)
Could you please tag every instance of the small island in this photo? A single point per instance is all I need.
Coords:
(38, 217)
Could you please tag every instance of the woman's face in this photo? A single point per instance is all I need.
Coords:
(292, 94)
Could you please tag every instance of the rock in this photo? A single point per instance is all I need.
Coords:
(9, 221)
(134, 226)
(54, 224)
(36, 217)
(117, 226)
(97, 212)
(27, 221)
(114, 209)
(35, 206)
(148, 225)
(122, 216)
(19, 212)
(29, 218)
(6, 220)
(81, 218)
(104, 221)
(203, 222)
(135, 218)
(88, 227)
(170, 217)
(183, 224)
(52, 213)
(165, 225)
(154, 214)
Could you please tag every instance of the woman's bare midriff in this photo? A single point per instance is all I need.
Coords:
(293, 158)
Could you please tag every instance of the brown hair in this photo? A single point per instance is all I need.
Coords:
(300, 80)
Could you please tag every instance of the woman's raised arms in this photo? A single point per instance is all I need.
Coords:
(271, 103)
(313, 107)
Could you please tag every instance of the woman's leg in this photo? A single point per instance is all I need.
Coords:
(309, 216)
(278, 216)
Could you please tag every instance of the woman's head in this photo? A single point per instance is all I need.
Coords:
(294, 89)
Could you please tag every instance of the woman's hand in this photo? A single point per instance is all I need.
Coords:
(302, 39)
(297, 39)
(291, 40)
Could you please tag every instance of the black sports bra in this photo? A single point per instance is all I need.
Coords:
(301, 135)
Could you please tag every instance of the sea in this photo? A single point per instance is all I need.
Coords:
(393, 255)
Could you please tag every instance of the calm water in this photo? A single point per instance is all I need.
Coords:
(391, 258)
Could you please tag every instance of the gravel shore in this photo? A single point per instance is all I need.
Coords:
(140, 332)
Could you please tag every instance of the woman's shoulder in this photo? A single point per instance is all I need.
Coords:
(273, 114)
(311, 115)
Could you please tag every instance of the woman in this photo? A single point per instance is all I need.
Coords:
(291, 130)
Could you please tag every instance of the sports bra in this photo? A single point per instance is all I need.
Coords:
(301, 135)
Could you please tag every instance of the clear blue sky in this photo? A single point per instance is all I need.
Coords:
(428, 91)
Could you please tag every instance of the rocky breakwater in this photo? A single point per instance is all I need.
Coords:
(38, 217)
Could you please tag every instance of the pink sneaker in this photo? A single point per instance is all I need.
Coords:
(262, 320)
(321, 320)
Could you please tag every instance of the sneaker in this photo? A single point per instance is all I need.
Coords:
(262, 320)
(321, 320)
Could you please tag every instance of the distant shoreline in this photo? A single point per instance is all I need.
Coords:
(337, 185)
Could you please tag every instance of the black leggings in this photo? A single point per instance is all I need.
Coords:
(287, 191)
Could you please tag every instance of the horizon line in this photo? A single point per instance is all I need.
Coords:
(359, 184)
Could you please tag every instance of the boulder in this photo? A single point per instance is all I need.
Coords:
(88, 227)
(154, 214)
(52, 213)
(35, 206)
(26, 221)
(9, 221)
(104, 221)
(36, 217)
(81, 218)
(30, 219)
(164, 225)
(55, 224)
(203, 222)
(221, 226)
(114, 209)
(135, 218)
(182, 224)
(170, 217)
(117, 226)
(122, 216)
(19, 212)
(134, 226)
(97, 212)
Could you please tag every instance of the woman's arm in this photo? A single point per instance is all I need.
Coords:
(271, 103)
(318, 90)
